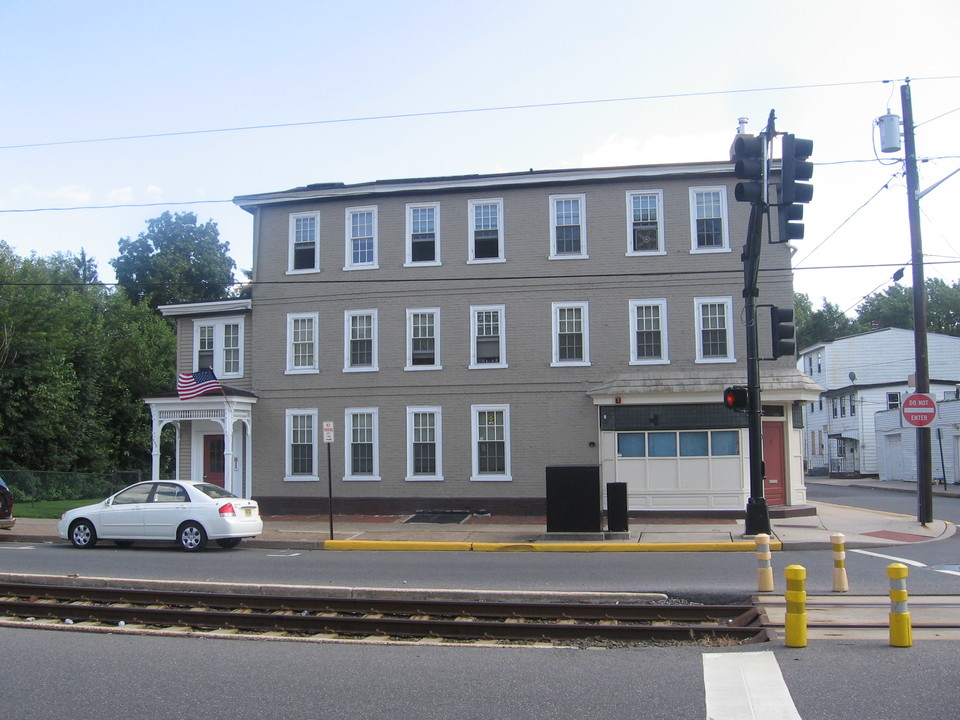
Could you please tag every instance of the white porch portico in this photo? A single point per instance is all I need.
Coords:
(213, 437)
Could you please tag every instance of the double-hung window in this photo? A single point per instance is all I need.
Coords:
(714, 329)
(423, 348)
(424, 453)
(490, 425)
(304, 251)
(648, 332)
(571, 334)
(302, 343)
(301, 445)
(362, 449)
(486, 230)
(361, 238)
(644, 223)
(360, 346)
(218, 345)
(708, 220)
(568, 226)
(423, 234)
(488, 337)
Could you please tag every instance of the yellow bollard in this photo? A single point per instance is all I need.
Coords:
(840, 583)
(764, 571)
(901, 630)
(795, 621)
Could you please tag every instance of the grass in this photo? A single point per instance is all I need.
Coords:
(47, 509)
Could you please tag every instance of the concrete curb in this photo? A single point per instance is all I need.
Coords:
(585, 547)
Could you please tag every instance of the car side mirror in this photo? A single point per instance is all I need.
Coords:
(108, 501)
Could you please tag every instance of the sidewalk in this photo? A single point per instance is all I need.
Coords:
(861, 528)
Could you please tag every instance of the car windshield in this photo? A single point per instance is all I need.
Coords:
(214, 491)
(3, 484)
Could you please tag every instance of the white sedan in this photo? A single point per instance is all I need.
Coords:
(187, 512)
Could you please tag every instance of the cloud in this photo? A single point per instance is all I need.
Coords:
(120, 195)
(618, 149)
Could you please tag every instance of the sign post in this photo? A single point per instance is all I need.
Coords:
(920, 410)
(328, 441)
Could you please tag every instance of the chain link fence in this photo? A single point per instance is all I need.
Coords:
(36, 486)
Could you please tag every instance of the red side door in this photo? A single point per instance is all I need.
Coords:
(774, 484)
(213, 459)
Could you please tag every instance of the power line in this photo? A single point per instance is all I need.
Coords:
(461, 111)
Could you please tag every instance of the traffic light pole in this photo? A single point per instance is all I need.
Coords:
(757, 514)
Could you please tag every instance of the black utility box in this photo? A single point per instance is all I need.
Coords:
(617, 508)
(573, 499)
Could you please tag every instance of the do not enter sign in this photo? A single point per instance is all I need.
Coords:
(919, 409)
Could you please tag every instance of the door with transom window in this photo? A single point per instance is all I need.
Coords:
(213, 469)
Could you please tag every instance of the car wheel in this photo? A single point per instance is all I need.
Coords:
(82, 534)
(123, 543)
(229, 542)
(192, 537)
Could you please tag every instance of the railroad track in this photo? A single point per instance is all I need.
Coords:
(397, 619)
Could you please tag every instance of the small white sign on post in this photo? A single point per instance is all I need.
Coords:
(328, 431)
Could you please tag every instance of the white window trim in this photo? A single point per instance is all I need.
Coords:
(315, 367)
(507, 476)
(409, 235)
(727, 302)
(348, 263)
(661, 249)
(472, 229)
(218, 325)
(582, 255)
(555, 333)
(348, 443)
(664, 359)
(288, 440)
(375, 365)
(291, 235)
(436, 339)
(725, 225)
(438, 476)
(474, 365)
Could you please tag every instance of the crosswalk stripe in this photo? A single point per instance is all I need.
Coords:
(746, 686)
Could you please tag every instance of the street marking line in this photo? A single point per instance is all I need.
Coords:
(18, 547)
(912, 563)
(746, 686)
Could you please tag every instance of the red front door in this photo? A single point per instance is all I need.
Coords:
(213, 459)
(774, 463)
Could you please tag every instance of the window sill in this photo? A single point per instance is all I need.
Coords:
(301, 478)
(361, 478)
(708, 251)
(416, 368)
(491, 478)
(487, 366)
(424, 478)
(572, 363)
(302, 371)
(361, 369)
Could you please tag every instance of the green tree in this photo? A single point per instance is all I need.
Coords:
(827, 323)
(175, 261)
(75, 364)
(894, 308)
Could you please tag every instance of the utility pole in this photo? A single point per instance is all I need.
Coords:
(924, 445)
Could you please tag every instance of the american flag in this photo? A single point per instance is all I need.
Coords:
(191, 385)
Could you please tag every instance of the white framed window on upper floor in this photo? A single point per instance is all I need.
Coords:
(485, 225)
(304, 243)
(218, 345)
(571, 334)
(490, 428)
(360, 341)
(893, 400)
(303, 343)
(714, 318)
(648, 332)
(301, 447)
(488, 338)
(708, 220)
(568, 226)
(362, 446)
(645, 222)
(424, 444)
(423, 339)
(423, 234)
(360, 227)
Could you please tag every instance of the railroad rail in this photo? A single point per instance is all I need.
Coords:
(399, 619)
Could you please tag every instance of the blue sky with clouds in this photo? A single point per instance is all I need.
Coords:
(109, 69)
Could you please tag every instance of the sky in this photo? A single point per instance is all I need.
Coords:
(372, 89)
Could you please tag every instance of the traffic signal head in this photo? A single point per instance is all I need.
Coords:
(750, 164)
(782, 330)
(736, 398)
(795, 170)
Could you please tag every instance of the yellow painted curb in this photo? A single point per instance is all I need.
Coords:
(584, 547)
